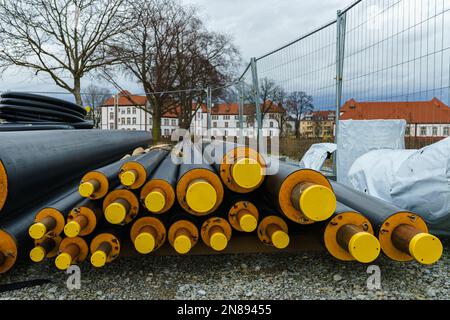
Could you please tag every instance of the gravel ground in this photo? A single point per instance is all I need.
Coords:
(313, 275)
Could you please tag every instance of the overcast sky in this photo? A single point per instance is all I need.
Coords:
(257, 26)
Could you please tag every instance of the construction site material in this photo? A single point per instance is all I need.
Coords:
(50, 221)
(183, 234)
(158, 194)
(97, 183)
(274, 231)
(45, 248)
(33, 127)
(71, 251)
(403, 235)
(241, 168)
(304, 196)
(243, 215)
(216, 233)
(47, 160)
(120, 206)
(105, 247)
(135, 172)
(148, 234)
(83, 219)
(199, 189)
(349, 236)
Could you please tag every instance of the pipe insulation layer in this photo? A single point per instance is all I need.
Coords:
(33, 163)
(403, 235)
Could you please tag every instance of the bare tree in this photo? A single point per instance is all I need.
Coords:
(64, 39)
(94, 97)
(298, 103)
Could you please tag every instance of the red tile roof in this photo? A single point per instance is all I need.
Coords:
(126, 99)
(420, 112)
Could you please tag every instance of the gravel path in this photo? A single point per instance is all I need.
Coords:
(261, 276)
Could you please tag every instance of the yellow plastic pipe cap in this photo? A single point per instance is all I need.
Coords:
(280, 239)
(128, 178)
(115, 213)
(145, 243)
(218, 241)
(248, 223)
(37, 254)
(318, 203)
(72, 229)
(63, 261)
(364, 247)
(247, 173)
(98, 259)
(86, 189)
(201, 196)
(37, 231)
(425, 248)
(182, 244)
(155, 201)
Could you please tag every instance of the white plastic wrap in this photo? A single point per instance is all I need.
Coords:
(417, 180)
(357, 137)
(315, 157)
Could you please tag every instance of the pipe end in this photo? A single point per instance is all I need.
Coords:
(201, 196)
(280, 239)
(364, 247)
(98, 259)
(37, 254)
(182, 244)
(128, 178)
(155, 201)
(115, 213)
(218, 241)
(145, 243)
(72, 229)
(37, 231)
(248, 223)
(247, 173)
(425, 248)
(63, 261)
(86, 189)
(318, 203)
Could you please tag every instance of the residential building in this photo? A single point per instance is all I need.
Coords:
(225, 118)
(424, 118)
(318, 124)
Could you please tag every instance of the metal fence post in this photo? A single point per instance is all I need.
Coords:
(116, 112)
(208, 109)
(256, 95)
(241, 109)
(340, 52)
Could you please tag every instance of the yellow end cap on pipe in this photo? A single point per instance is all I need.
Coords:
(218, 241)
(201, 196)
(182, 244)
(155, 201)
(115, 213)
(37, 231)
(425, 248)
(37, 254)
(364, 247)
(72, 229)
(247, 173)
(280, 239)
(98, 259)
(86, 189)
(145, 243)
(128, 178)
(318, 203)
(248, 223)
(63, 261)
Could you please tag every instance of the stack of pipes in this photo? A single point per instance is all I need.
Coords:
(184, 196)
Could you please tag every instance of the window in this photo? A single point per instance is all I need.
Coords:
(134, 120)
(423, 131)
(236, 117)
(226, 117)
(134, 110)
(128, 110)
(435, 131)
(123, 120)
(214, 124)
(271, 125)
(446, 131)
(226, 124)
(122, 111)
(225, 133)
(408, 131)
(111, 126)
(166, 132)
(166, 122)
(111, 116)
(128, 120)
(215, 117)
(174, 122)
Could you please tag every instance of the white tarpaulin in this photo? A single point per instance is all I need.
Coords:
(315, 157)
(357, 137)
(417, 180)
